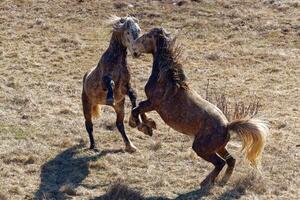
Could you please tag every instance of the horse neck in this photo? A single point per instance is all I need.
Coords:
(116, 44)
(116, 50)
(159, 57)
(155, 65)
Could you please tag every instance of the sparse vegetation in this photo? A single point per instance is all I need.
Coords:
(241, 47)
(233, 110)
(121, 191)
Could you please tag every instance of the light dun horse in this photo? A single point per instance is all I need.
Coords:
(109, 81)
(185, 111)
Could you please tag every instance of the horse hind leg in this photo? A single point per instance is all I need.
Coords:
(205, 147)
(132, 96)
(230, 161)
(89, 111)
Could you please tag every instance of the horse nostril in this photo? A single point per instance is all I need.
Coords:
(135, 54)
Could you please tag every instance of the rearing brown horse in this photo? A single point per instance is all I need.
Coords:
(109, 81)
(185, 111)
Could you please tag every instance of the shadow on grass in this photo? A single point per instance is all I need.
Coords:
(120, 191)
(61, 175)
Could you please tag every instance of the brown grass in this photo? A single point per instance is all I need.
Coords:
(3, 196)
(242, 47)
(121, 191)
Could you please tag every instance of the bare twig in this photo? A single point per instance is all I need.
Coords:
(232, 110)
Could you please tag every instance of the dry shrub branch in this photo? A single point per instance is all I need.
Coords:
(232, 109)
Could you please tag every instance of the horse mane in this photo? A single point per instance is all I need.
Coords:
(170, 67)
(112, 20)
(116, 49)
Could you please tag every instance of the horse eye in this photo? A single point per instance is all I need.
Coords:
(127, 33)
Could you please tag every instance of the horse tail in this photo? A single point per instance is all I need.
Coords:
(96, 111)
(253, 133)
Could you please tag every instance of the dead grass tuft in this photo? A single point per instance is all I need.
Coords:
(253, 182)
(3, 196)
(121, 191)
(187, 155)
(15, 159)
(68, 189)
(66, 111)
(110, 126)
(99, 165)
(19, 159)
(212, 56)
(120, 5)
(30, 160)
(15, 190)
(156, 145)
(66, 142)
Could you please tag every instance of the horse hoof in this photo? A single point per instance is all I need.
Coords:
(224, 180)
(96, 150)
(92, 147)
(132, 122)
(151, 123)
(130, 148)
(145, 129)
(110, 102)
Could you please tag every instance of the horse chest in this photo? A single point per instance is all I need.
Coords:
(151, 85)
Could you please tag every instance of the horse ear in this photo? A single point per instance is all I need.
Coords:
(172, 42)
(119, 26)
(166, 33)
(122, 20)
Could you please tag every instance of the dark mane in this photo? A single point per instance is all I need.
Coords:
(170, 68)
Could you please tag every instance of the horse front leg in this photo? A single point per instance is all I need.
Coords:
(148, 121)
(119, 108)
(141, 109)
(132, 96)
(109, 85)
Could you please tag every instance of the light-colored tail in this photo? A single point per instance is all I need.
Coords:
(96, 111)
(253, 133)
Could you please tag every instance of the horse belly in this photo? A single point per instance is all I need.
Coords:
(178, 121)
(94, 91)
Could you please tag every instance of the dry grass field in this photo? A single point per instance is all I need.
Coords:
(244, 48)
